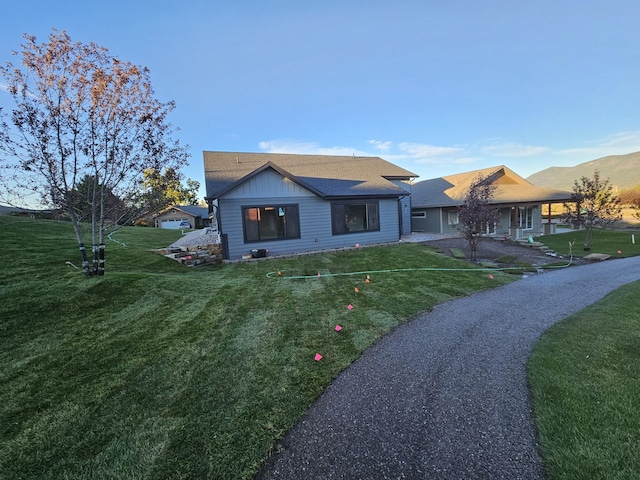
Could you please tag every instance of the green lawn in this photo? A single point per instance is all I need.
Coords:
(161, 371)
(611, 242)
(584, 376)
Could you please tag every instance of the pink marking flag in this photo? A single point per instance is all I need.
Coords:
(350, 307)
(338, 328)
(318, 274)
(491, 276)
(318, 357)
(619, 251)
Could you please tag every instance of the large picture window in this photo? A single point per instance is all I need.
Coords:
(350, 217)
(270, 222)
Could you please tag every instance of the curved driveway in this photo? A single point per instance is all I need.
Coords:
(445, 396)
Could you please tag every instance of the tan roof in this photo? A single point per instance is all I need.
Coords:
(325, 175)
(511, 188)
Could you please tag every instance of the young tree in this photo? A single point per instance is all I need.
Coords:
(476, 213)
(631, 198)
(593, 204)
(81, 113)
(115, 209)
(162, 189)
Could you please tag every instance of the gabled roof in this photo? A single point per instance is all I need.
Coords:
(194, 210)
(324, 175)
(511, 188)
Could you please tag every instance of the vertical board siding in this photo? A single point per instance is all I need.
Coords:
(268, 184)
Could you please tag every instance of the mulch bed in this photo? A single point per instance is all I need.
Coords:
(489, 250)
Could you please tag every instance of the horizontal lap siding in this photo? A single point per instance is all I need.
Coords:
(429, 223)
(270, 188)
(446, 226)
(315, 227)
(504, 221)
(405, 206)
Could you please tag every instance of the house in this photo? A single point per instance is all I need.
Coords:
(435, 203)
(287, 203)
(183, 216)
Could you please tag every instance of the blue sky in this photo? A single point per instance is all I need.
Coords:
(435, 86)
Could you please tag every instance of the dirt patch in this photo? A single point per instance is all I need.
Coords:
(505, 252)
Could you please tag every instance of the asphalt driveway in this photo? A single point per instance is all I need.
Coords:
(445, 396)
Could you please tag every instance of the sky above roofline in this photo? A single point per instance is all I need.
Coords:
(435, 87)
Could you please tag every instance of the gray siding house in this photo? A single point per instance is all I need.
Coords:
(435, 203)
(287, 203)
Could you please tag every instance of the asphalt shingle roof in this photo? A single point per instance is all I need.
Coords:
(325, 175)
(195, 210)
(451, 190)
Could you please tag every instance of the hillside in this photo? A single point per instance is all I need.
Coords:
(622, 170)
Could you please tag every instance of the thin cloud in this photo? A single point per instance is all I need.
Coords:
(426, 151)
(615, 144)
(410, 155)
(309, 148)
(383, 146)
(513, 150)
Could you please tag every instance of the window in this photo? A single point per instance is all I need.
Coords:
(453, 218)
(525, 217)
(270, 223)
(354, 217)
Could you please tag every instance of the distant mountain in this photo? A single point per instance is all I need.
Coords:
(623, 171)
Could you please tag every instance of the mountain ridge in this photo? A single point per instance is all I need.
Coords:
(623, 171)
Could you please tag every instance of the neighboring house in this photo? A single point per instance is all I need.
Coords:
(288, 203)
(183, 216)
(435, 203)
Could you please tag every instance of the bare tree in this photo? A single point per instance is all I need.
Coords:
(83, 115)
(593, 204)
(477, 215)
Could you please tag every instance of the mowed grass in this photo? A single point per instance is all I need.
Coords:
(617, 243)
(159, 371)
(584, 376)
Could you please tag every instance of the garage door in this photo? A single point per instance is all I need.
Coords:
(174, 224)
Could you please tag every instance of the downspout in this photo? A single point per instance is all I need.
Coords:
(401, 216)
